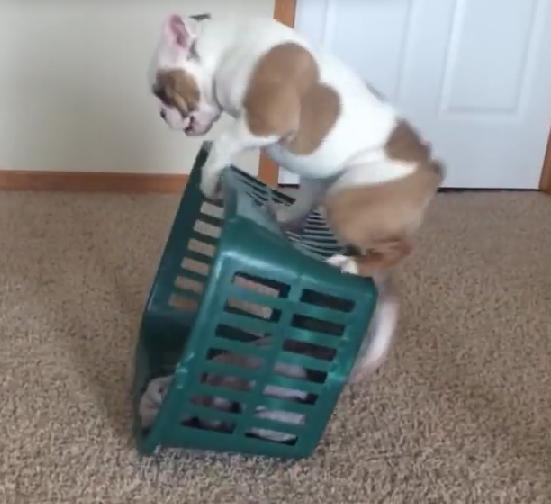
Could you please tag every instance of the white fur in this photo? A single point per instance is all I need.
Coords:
(378, 172)
(152, 398)
(228, 50)
(378, 339)
(344, 263)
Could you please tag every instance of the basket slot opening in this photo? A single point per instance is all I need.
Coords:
(282, 199)
(227, 381)
(286, 397)
(209, 425)
(324, 300)
(212, 210)
(201, 247)
(326, 240)
(253, 183)
(300, 374)
(292, 394)
(264, 286)
(316, 226)
(318, 235)
(182, 302)
(319, 247)
(243, 175)
(254, 186)
(286, 419)
(258, 198)
(310, 349)
(187, 284)
(272, 436)
(218, 202)
(317, 325)
(219, 403)
(207, 229)
(195, 266)
(280, 416)
(236, 334)
(306, 375)
(315, 217)
(234, 359)
(320, 238)
(246, 308)
(261, 195)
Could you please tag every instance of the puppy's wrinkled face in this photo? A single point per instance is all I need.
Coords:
(179, 97)
(177, 79)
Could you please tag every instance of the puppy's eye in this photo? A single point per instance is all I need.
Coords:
(160, 93)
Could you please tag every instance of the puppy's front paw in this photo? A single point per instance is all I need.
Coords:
(210, 185)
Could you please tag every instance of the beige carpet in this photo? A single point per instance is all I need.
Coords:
(461, 412)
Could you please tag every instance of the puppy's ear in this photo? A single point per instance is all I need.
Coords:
(180, 33)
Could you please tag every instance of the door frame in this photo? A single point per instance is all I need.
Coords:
(545, 180)
(268, 171)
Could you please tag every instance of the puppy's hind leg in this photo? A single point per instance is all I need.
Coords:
(380, 334)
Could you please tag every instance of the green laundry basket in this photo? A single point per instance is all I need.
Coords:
(231, 283)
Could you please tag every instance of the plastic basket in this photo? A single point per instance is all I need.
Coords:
(258, 330)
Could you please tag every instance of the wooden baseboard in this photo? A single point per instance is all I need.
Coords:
(91, 182)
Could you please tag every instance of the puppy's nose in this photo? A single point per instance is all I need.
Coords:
(162, 113)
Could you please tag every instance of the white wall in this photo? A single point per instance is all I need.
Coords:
(73, 85)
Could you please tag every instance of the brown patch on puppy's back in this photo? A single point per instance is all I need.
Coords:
(379, 220)
(319, 111)
(405, 144)
(177, 88)
(286, 98)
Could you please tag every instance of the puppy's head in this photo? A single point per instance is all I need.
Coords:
(179, 79)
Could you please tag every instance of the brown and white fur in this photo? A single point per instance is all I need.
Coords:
(358, 159)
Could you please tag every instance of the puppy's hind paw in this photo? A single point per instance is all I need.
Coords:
(344, 263)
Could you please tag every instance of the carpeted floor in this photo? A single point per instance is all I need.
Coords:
(459, 414)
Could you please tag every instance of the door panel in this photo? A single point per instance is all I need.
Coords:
(473, 75)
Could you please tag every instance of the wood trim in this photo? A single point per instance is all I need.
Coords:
(268, 171)
(545, 180)
(91, 182)
(284, 11)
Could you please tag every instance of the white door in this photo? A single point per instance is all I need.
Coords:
(473, 75)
